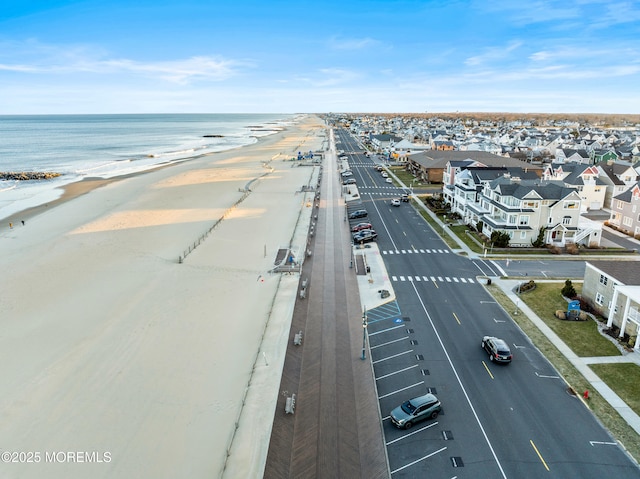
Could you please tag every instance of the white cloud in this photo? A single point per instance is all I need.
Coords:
(57, 59)
(352, 43)
(493, 54)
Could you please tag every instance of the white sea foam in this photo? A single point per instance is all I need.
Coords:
(105, 146)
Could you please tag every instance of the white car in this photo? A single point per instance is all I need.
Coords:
(395, 202)
(389, 180)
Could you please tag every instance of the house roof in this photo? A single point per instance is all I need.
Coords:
(624, 272)
(550, 190)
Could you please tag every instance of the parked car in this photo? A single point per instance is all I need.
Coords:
(346, 173)
(395, 202)
(389, 180)
(364, 236)
(497, 349)
(361, 226)
(358, 214)
(384, 174)
(349, 181)
(414, 410)
(404, 198)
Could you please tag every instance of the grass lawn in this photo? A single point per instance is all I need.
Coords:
(624, 379)
(601, 408)
(581, 336)
(403, 175)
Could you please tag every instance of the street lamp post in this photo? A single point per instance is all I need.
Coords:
(364, 334)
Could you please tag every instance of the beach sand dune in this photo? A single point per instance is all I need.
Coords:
(121, 357)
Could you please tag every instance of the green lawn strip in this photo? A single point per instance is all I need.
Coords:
(624, 379)
(582, 337)
(437, 228)
(403, 175)
(607, 415)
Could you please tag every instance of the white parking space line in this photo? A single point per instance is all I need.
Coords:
(397, 372)
(400, 390)
(386, 330)
(388, 343)
(412, 433)
(391, 357)
(419, 460)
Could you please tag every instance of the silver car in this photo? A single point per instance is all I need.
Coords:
(414, 410)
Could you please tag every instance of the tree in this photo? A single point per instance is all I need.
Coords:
(539, 241)
(568, 291)
(500, 239)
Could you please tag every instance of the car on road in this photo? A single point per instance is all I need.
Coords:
(364, 236)
(361, 226)
(349, 181)
(358, 214)
(416, 409)
(497, 349)
(395, 202)
(389, 180)
(404, 198)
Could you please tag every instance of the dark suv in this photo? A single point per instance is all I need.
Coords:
(497, 349)
(358, 214)
(414, 410)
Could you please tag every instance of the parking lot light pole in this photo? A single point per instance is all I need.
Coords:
(364, 334)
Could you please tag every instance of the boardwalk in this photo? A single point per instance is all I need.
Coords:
(336, 429)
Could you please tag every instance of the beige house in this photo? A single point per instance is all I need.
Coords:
(614, 288)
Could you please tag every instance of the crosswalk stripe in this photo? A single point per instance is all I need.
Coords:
(418, 278)
(425, 278)
(456, 280)
(471, 281)
(393, 278)
(463, 280)
(448, 279)
(401, 278)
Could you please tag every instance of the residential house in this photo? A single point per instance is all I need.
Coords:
(625, 211)
(614, 288)
(584, 178)
(520, 208)
(619, 178)
(384, 141)
(567, 155)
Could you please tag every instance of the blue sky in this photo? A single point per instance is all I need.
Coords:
(114, 56)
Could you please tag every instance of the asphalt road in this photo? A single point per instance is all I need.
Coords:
(498, 421)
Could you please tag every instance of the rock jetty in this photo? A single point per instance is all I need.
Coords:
(212, 136)
(27, 175)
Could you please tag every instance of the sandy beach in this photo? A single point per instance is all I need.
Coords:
(123, 353)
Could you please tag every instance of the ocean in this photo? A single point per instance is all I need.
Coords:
(80, 146)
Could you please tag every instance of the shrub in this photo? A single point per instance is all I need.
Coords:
(572, 248)
(539, 241)
(500, 239)
(568, 291)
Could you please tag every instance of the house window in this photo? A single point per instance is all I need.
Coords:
(570, 205)
(599, 299)
(603, 279)
(550, 220)
(523, 234)
(531, 204)
(512, 219)
(627, 221)
(524, 220)
(566, 220)
(619, 204)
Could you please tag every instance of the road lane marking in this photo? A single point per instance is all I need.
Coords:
(387, 343)
(459, 380)
(412, 433)
(384, 330)
(391, 357)
(400, 390)
(487, 368)
(397, 372)
(603, 443)
(419, 460)
(539, 455)
(454, 315)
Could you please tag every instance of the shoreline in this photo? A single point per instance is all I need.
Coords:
(81, 187)
(111, 345)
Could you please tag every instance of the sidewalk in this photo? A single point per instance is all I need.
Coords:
(581, 364)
